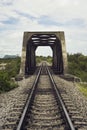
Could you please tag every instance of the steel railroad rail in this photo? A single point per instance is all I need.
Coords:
(68, 119)
(54, 90)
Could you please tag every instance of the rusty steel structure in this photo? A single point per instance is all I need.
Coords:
(31, 40)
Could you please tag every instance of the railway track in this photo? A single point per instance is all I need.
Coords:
(45, 108)
(48, 107)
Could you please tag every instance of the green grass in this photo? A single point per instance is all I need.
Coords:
(83, 88)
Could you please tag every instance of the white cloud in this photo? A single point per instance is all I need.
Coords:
(43, 15)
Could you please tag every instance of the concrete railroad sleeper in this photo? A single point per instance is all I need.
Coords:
(45, 108)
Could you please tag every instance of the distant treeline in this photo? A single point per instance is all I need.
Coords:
(43, 58)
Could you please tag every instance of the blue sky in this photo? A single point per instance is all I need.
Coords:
(17, 16)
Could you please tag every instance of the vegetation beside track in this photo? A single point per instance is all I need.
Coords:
(83, 88)
(11, 70)
(77, 64)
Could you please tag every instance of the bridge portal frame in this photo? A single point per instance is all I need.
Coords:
(59, 34)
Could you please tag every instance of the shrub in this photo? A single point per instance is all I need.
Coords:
(77, 64)
(12, 69)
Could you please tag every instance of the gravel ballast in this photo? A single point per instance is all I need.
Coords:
(9, 99)
(74, 93)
